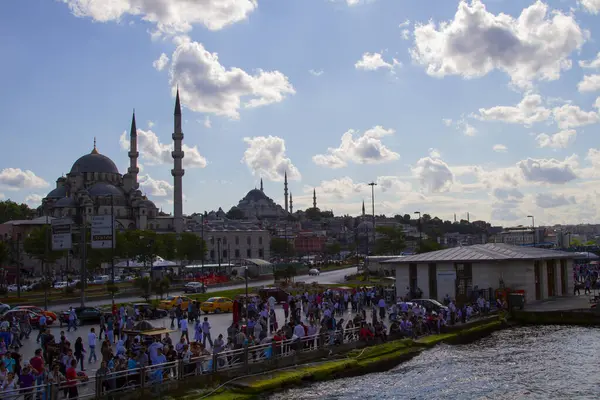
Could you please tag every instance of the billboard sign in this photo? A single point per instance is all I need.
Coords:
(61, 234)
(102, 232)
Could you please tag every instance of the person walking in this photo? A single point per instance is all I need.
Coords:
(183, 323)
(79, 351)
(41, 327)
(206, 332)
(72, 320)
(92, 344)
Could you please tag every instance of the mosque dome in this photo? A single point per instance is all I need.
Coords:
(104, 189)
(256, 195)
(66, 202)
(365, 226)
(58, 193)
(94, 162)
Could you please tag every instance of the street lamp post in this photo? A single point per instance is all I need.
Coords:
(420, 229)
(373, 184)
(246, 298)
(219, 252)
(532, 227)
(112, 251)
(45, 264)
(203, 253)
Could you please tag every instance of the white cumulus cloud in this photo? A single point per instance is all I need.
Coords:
(161, 62)
(153, 152)
(33, 200)
(16, 178)
(534, 46)
(367, 148)
(266, 157)
(590, 83)
(434, 174)
(499, 148)
(530, 110)
(375, 61)
(558, 140)
(549, 170)
(169, 16)
(207, 86)
(155, 187)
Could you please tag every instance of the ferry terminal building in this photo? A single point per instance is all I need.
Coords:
(540, 273)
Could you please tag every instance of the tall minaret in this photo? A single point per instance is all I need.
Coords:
(133, 169)
(314, 198)
(363, 210)
(285, 191)
(261, 186)
(177, 170)
(291, 204)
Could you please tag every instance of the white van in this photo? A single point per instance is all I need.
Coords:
(101, 279)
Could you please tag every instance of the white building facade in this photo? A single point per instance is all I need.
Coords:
(458, 272)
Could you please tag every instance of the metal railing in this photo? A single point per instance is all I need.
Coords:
(154, 376)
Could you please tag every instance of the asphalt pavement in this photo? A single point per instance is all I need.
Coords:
(327, 277)
(219, 322)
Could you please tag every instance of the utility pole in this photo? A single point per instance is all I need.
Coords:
(83, 258)
(112, 250)
(45, 264)
(533, 228)
(204, 252)
(219, 252)
(373, 184)
(420, 230)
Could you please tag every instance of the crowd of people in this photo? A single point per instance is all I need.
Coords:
(585, 277)
(309, 319)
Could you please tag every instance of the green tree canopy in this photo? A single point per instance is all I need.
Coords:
(281, 247)
(191, 247)
(38, 245)
(333, 248)
(168, 246)
(9, 210)
(4, 253)
(390, 241)
(428, 245)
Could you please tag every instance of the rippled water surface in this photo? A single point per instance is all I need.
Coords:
(522, 363)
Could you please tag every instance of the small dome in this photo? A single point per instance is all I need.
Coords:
(147, 203)
(104, 189)
(58, 193)
(66, 202)
(94, 162)
(256, 195)
(365, 226)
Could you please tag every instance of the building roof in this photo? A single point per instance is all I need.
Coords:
(94, 162)
(483, 252)
(255, 195)
(58, 192)
(35, 221)
(104, 189)
(257, 261)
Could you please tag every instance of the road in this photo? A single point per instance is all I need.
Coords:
(219, 322)
(327, 277)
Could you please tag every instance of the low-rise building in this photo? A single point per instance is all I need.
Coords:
(459, 271)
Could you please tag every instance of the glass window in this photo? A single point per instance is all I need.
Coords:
(249, 240)
(248, 253)
(260, 240)
(237, 253)
(237, 240)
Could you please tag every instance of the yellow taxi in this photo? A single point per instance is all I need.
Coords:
(172, 301)
(217, 305)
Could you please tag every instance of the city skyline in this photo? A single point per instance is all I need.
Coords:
(492, 113)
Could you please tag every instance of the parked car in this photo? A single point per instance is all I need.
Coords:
(280, 295)
(430, 305)
(148, 311)
(194, 287)
(171, 301)
(4, 308)
(84, 314)
(314, 271)
(14, 288)
(33, 317)
(38, 310)
(217, 305)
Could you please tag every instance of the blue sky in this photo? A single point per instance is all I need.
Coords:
(429, 111)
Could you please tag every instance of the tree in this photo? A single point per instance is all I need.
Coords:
(428, 245)
(9, 210)
(96, 257)
(145, 246)
(313, 214)
(391, 240)
(168, 246)
(38, 246)
(4, 252)
(235, 213)
(161, 286)
(191, 247)
(333, 249)
(280, 246)
(144, 283)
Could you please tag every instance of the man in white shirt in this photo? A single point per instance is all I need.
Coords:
(92, 344)
(183, 323)
(381, 306)
(272, 302)
(206, 333)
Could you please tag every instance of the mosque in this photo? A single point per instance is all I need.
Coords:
(94, 186)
